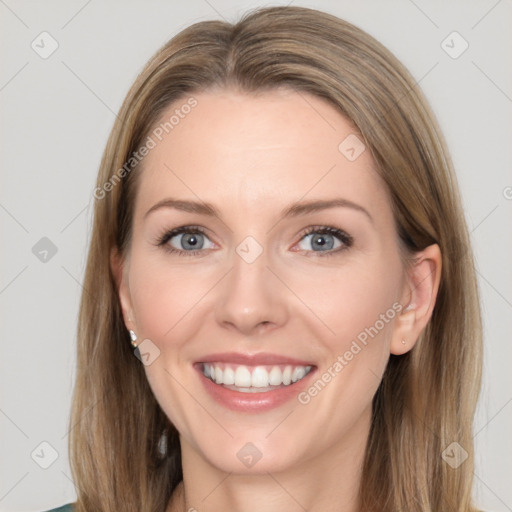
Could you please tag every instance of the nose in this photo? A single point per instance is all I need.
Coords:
(252, 300)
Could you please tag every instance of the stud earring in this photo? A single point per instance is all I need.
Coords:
(403, 342)
(133, 336)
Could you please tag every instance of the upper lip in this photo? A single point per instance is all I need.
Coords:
(262, 358)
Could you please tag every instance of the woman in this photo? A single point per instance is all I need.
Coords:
(279, 235)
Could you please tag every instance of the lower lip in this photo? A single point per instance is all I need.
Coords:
(253, 402)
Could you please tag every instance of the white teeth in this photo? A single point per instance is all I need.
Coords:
(261, 376)
(298, 373)
(242, 377)
(229, 376)
(287, 376)
(275, 377)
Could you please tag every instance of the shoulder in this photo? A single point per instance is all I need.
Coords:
(70, 507)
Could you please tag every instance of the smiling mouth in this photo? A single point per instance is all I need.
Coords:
(254, 379)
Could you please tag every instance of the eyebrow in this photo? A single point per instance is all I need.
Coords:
(294, 210)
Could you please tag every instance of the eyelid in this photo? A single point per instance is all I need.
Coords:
(162, 240)
(345, 239)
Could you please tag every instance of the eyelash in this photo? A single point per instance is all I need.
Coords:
(344, 237)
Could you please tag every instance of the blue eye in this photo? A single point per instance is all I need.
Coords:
(327, 239)
(190, 240)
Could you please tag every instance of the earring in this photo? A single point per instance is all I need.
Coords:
(403, 342)
(133, 336)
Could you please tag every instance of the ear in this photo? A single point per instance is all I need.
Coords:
(419, 298)
(119, 268)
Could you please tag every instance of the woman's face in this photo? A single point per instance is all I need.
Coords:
(263, 296)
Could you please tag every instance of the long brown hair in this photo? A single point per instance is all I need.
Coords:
(427, 397)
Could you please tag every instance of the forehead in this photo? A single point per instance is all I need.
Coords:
(244, 151)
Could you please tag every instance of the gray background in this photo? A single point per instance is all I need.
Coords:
(56, 115)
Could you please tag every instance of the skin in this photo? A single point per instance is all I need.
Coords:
(251, 156)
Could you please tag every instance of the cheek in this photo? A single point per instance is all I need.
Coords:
(168, 310)
(165, 300)
(360, 310)
(353, 303)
